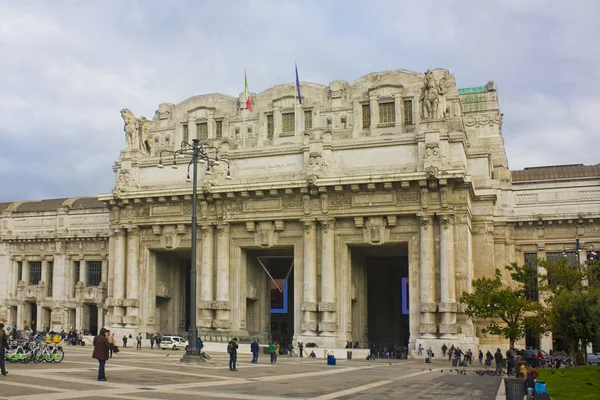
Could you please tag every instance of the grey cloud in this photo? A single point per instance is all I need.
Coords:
(69, 67)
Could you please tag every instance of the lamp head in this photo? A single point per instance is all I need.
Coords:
(228, 176)
(160, 164)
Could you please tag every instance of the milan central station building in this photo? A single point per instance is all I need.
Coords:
(361, 214)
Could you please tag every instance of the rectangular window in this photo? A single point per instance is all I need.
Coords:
(366, 116)
(50, 277)
(35, 272)
(408, 112)
(94, 273)
(287, 124)
(202, 131)
(185, 133)
(387, 113)
(531, 287)
(556, 256)
(19, 271)
(219, 129)
(270, 126)
(307, 119)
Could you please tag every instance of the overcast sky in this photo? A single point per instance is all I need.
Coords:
(68, 67)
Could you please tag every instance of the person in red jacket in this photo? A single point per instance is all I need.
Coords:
(101, 350)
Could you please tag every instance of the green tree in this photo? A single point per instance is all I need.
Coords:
(573, 298)
(507, 309)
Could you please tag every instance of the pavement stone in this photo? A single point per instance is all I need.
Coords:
(158, 374)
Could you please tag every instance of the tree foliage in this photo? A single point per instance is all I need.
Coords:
(506, 308)
(573, 298)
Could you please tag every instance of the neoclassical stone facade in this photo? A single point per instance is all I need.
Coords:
(374, 204)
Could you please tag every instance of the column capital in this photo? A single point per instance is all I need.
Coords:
(206, 229)
(133, 230)
(447, 221)
(426, 220)
(309, 224)
(223, 228)
(327, 224)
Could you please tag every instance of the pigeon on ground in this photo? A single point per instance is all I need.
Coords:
(589, 383)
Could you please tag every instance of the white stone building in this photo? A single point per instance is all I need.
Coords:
(360, 215)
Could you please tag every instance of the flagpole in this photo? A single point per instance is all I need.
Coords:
(244, 111)
(295, 99)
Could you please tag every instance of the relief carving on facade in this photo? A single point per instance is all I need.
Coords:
(375, 230)
(340, 200)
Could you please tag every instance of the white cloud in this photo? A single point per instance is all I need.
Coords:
(68, 68)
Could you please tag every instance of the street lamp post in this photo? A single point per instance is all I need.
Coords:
(199, 154)
(579, 247)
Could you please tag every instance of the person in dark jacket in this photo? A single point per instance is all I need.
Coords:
(254, 348)
(101, 350)
(232, 350)
(499, 358)
(3, 348)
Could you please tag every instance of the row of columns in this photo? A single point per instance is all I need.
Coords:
(310, 307)
(215, 310)
(427, 284)
(126, 268)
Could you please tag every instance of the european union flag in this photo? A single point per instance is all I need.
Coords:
(298, 86)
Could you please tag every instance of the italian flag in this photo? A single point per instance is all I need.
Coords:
(247, 92)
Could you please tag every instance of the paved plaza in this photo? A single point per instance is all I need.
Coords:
(158, 374)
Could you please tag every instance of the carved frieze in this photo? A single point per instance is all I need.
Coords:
(221, 324)
(292, 202)
(327, 326)
(408, 196)
(482, 120)
(221, 305)
(252, 205)
(340, 200)
(329, 307)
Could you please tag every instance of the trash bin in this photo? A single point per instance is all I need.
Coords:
(515, 388)
(349, 355)
(330, 359)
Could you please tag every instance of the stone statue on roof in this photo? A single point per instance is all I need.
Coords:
(433, 100)
(137, 132)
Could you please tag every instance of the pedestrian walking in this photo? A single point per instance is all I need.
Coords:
(272, 350)
(3, 348)
(444, 350)
(232, 350)
(301, 348)
(254, 348)
(420, 350)
(101, 349)
(111, 342)
(152, 339)
(290, 349)
(480, 357)
(124, 341)
(139, 341)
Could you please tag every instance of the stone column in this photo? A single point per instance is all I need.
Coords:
(206, 277)
(78, 318)
(120, 258)
(25, 272)
(133, 277)
(374, 106)
(45, 272)
(327, 306)
(14, 277)
(39, 319)
(447, 279)
(277, 127)
(427, 280)
(105, 271)
(309, 306)
(83, 272)
(398, 109)
(100, 316)
(223, 304)
(20, 315)
(191, 128)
